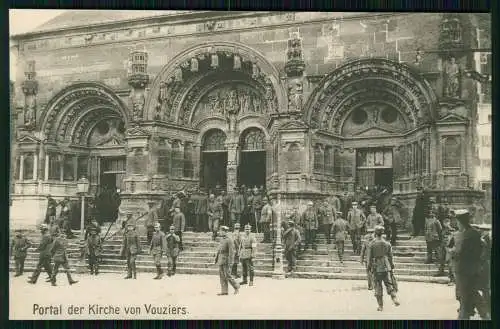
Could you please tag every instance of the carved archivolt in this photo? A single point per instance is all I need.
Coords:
(369, 80)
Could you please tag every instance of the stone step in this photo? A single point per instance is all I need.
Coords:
(354, 270)
(332, 262)
(352, 257)
(360, 276)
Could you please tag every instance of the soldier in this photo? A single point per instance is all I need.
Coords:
(179, 223)
(256, 208)
(466, 254)
(374, 219)
(328, 216)
(236, 206)
(248, 248)
(447, 232)
(367, 239)
(93, 247)
(485, 272)
(310, 222)
(225, 207)
(65, 218)
(44, 255)
(50, 214)
(298, 225)
(340, 227)
(157, 248)
(419, 212)
(291, 242)
(356, 219)
(173, 242)
(433, 236)
(381, 265)
(151, 219)
(215, 214)
(131, 247)
(224, 259)
(58, 251)
(19, 249)
(266, 219)
(248, 217)
(392, 217)
(237, 245)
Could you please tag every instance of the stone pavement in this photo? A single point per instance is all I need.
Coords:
(268, 299)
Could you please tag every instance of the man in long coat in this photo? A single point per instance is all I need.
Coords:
(356, 219)
(236, 206)
(328, 214)
(237, 244)
(340, 228)
(367, 239)
(173, 243)
(224, 259)
(58, 251)
(131, 247)
(420, 212)
(19, 249)
(291, 242)
(266, 219)
(50, 214)
(215, 214)
(93, 246)
(257, 205)
(310, 222)
(151, 219)
(433, 236)
(248, 249)
(179, 222)
(44, 255)
(157, 249)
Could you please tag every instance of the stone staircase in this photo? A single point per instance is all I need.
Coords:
(199, 253)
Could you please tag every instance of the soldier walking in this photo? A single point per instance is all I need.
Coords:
(356, 219)
(381, 265)
(367, 239)
(374, 219)
(151, 219)
(173, 243)
(447, 232)
(256, 208)
(44, 255)
(131, 247)
(340, 227)
(266, 218)
(224, 259)
(433, 231)
(215, 213)
(19, 249)
(248, 248)
(328, 216)
(291, 242)
(58, 251)
(179, 223)
(310, 222)
(236, 206)
(93, 248)
(237, 245)
(50, 214)
(157, 248)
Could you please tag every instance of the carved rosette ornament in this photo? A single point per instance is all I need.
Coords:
(138, 79)
(30, 89)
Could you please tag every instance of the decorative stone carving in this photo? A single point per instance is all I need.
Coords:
(113, 136)
(178, 75)
(237, 62)
(452, 82)
(295, 95)
(139, 102)
(214, 60)
(295, 64)
(194, 65)
(451, 32)
(30, 114)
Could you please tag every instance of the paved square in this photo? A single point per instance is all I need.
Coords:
(268, 299)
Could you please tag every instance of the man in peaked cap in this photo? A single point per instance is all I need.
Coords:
(433, 236)
(131, 247)
(157, 249)
(311, 224)
(356, 219)
(19, 249)
(466, 251)
(291, 242)
(237, 245)
(173, 246)
(44, 256)
(248, 249)
(224, 259)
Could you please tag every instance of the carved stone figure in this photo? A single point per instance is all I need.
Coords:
(255, 71)
(245, 100)
(178, 75)
(138, 107)
(294, 51)
(295, 96)
(237, 62)
(232, 104)
(29, 114)
(113, 135)
(214, 60)
(257, 104)
(194, 65)
(452, 78)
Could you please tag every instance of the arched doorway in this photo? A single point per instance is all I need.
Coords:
(213, 160)
(252, 164)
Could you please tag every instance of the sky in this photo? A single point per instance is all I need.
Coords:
(27, 20)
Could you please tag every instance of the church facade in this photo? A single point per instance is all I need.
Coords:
(308, 105)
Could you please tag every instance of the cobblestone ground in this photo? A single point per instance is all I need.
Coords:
(268, 299)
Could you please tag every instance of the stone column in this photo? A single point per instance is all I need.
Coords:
(43, 159)
(30, 89)
(46, 169)
(196, 160)
(232, 165)
(21, 167)
(35, 166)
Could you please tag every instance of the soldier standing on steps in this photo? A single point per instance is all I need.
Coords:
(93, 247)
(310, 222)
(247, 254)
(433, 236)
(237, 245)
(179, 222)
(157, 248)
(224, 259)
(50, 214)
(356, 219)
(44, 255)
(151, 219)
(340, 227)
(19, 249)
(266, 219)
(367, 239)
(131, 247)
(381, 265)
(173, 242)
(291, 242)
(374, 218)
(58, 251)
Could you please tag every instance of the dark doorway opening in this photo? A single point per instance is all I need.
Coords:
(214, 170)
(252, 169)
(384, 177)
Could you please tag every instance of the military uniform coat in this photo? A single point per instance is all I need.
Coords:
(248, 246)
(291, 239)
(158, 244)
(214, 210)
(433, 229)
(328, 214)
(58, 250)
(339, 228)
(179, 222)
(237, 204)
(266, 215)
(237, 244)
(310, 219)
(19, 246)
(172, 243)
(45, 246)
(374, 220)
(356, 219)
(151, 218)
(380, 256)
(130, 244)
(225, 252)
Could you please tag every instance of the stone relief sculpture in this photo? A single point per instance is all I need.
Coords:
(295, 96)
(113, 136)
(294, 49)
(30, 114)
(452, 88)
(194, 65)
(232, 103)
(138, 105)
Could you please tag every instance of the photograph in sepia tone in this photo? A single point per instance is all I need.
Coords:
(250, 165)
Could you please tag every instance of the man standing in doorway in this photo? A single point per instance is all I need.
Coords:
(236, 206)
(356, 219)
(310, 221)
(247, 254)
(224, 259)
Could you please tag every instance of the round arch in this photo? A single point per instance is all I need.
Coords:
(80, 105)
(170, 83)
(367, 81)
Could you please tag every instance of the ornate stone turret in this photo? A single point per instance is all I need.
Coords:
(294, 69)
(30, 89)
(451, 37)
(138, 79)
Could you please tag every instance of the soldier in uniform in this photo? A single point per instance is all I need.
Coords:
(65, 218)
(356, 219)
(50, 214)
(19, 249)
(392, 217)
(328, 216)
(367, 239)
(131, 247)
(225, 207)
(224, 259)
(58, 251)
(179, 222)
(173, 242)
(157, 248)
(215, 214)
(340, 227)
(374, 218)
(291, 242)
(466, 256)
(256, 208)
(433, 236)
(310, 222)
(237, 244)
(44, 255)
(447, 231)
(419, 212)
(248, 248)
(236, 206)
(93, 246)
(151, 219)
(381, 265)
(266, 219)
(296, 218)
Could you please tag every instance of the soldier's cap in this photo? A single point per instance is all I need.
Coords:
(339, 213)
(291, 222)
(310, 203)
(236, 225)
(224, 228)
(248, 227)
(370, 230)
(461, 212)
(151, 202)
(172, 227)
(157, 225)
(212, 196)
(354, 202)
(379, 229)
(486, 227)
(130, 225)
(44, 227)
